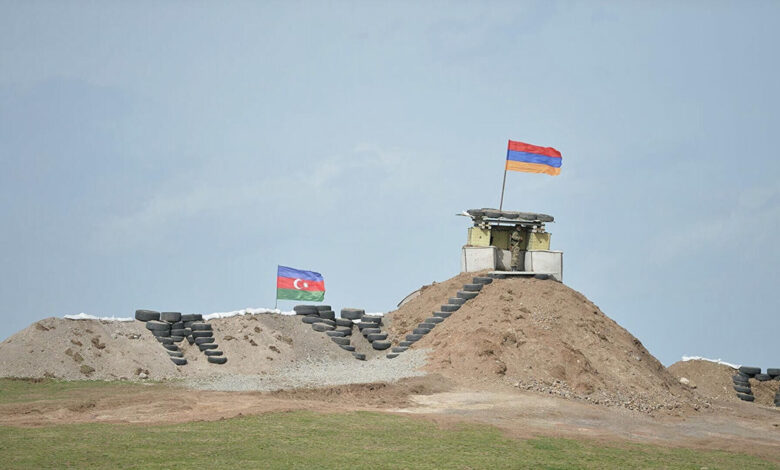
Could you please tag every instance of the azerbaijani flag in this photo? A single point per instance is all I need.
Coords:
(533, 159)
(295, 284)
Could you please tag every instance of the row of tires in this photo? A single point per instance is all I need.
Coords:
(339, 329)
(170, 328)
(468, 292)
(741, 381)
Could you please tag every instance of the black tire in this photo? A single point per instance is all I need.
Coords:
(466, 295)
(442, 314)
(190, 339)
(217, 359)
(311, 320)
(345, 330)
(179, 361)
(744, 383)
(335, 334)
(371, 319)
(179, 332)
(472, 287)
(177, 326)
(450, 308)
(456, 301)
(154, 325)
(745, 397)
(329, 315)
(327, 322)
(427, 326)
(164, 339)
(204, 347)
(434, 320)
(773, 372)
(204, 340)
(170, 317)
(499, 276)
(343, 322)
(359, 356)
(347, 347)
(482, 280)
(175, 354)
(413, 337)
(213, 352)
(323, 308)
(352, 313)
(377, 337)
(305, 309)
(380, 345)
(750, 371)
(202, 334)
(762, 377)
(190, 317)
(392, 355)
(177, 339)
(742, 389)
(421, 331)
(171, 347)
(340, 340)
(321, 327)
(146, 315)
(201, 326)
(161, 333)
(371, 331)
(405, 344)
(399, 349)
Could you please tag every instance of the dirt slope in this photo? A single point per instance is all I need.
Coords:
(713, 381)
(541, 335)
(80, 349)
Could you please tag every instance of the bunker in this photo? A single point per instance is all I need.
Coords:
(495, 234)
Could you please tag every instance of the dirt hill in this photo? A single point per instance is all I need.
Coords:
(540, 335)
(713, 381)
(79, 349)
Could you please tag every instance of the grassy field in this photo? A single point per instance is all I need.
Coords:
(313, 440)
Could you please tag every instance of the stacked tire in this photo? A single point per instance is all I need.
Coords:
(371, 327)
(468, 292)
(353, 316)
(775, 374)
(741, 381)
(167, 329)
(203, 338)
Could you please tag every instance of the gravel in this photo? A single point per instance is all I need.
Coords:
(315, 373)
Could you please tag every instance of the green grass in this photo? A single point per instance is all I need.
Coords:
(24, 390)
(323, 441)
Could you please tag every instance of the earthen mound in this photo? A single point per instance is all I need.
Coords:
(95, 349)
(713, 381)
(539, 335)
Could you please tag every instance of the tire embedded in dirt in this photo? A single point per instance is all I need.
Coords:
(179, 361)
(322, 327)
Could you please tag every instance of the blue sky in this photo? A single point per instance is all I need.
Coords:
(169, 155)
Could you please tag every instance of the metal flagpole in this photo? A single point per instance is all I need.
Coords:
(503, 185)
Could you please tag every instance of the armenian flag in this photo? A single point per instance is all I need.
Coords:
(533, 159)
(296, 284)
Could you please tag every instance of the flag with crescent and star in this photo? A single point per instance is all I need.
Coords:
(296, 284)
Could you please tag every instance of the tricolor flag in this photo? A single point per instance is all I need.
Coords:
(532, 159)
(295, 284)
